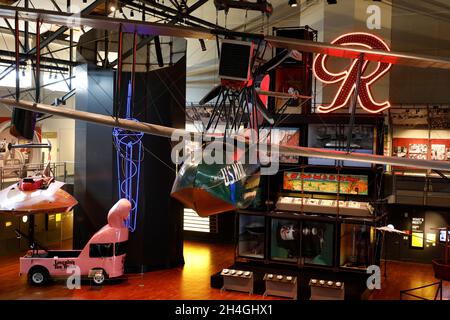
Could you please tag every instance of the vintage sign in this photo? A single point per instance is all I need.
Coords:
(348, 78)
(326, 183)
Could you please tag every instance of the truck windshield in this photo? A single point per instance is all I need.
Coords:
(101, 250)
(121, 248)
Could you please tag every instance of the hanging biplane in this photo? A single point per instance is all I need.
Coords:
(203, 187)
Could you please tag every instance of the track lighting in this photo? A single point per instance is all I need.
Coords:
(293, 3)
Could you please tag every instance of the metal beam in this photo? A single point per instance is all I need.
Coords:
(143, 43)
(24, 57)
(13, 32)
(196, 5)
(170, 13)
(53, 36)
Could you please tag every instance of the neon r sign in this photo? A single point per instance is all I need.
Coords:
(348, 77)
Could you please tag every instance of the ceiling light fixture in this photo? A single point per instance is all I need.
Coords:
(293, 3)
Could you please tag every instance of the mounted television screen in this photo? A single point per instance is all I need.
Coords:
(284, 136)
(442, 235)
(334, 137)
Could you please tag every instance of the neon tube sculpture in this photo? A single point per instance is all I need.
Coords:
(128, 154)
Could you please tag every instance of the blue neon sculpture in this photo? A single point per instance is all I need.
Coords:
(128, 154)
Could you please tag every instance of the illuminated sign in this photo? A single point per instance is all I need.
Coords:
(326, 183)
(348, 77)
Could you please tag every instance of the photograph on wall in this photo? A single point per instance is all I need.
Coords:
(326, 183)
(438, 152)
(400, 151)
(284, 136)
(418, 151)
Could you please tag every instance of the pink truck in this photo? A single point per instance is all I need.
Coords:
(103, 256)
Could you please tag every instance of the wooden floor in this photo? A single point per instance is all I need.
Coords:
(191, 281)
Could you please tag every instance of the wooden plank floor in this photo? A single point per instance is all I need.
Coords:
(191, 281)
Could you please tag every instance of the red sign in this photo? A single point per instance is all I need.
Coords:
(348, 77)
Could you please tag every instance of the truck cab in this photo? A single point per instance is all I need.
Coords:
(103, 256)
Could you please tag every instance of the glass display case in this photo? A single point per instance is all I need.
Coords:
(317, 243)
(357, 242)
(252, 230)
(334, 137)
(285, 240)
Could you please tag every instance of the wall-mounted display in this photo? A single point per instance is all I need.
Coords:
(285, 240)
(418, 151)
(431, 239)
(317, 243)
(326, 183)
(438, 152)
(442, 237)
(421, 148)
(335, 137)
(251, 236)
(417, 232)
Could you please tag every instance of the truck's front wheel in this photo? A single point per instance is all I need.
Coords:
(38, 276)
(99, 276)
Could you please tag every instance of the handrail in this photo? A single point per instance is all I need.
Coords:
(16, 172)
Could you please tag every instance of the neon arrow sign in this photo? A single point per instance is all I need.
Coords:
(349, 77)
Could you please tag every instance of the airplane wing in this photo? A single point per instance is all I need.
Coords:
(149, 28)
(163, 131)
(420, 61)
(388, 229)
(50, 200)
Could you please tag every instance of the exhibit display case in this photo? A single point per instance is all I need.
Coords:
(317, 243)
(251, 240)
(285, 240)
(357, 242)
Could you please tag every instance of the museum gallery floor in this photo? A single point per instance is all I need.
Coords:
(193, 280)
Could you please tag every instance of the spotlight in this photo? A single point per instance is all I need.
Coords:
(131, 13)
(23, 73)
(84, 1)
(332, 1)
(293, 3)
(24, 219)
(112, 8)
